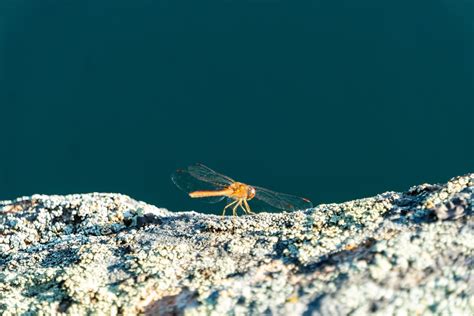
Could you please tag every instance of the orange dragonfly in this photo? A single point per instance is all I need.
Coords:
(200, 181)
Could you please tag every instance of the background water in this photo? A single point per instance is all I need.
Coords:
(332, 100)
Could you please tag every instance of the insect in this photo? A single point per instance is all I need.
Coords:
(200, 181)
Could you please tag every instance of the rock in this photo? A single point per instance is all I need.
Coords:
(405, 253)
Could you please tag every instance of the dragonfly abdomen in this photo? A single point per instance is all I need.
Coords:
(201, 194)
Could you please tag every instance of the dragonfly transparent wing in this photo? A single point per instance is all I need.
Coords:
(201, 178)
(206, 174)
(282, 201)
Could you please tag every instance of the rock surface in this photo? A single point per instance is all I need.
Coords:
(410, 253)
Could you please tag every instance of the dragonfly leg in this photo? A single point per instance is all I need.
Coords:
(245, 207)
(249, 211)
(228, 205)
(242, 206)
(234, 210)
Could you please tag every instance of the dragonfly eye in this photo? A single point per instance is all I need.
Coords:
(250, 192)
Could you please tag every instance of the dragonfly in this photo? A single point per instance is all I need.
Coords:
(202, 182)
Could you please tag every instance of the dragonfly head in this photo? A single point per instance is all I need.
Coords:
(250, 192)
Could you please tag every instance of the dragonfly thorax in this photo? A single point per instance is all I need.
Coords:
(242, 191)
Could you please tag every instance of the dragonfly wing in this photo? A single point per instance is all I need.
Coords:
(282, 201)
(187, 182)
(212, 200)
(206, 174)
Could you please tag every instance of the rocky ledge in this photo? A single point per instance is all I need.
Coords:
(404, 253)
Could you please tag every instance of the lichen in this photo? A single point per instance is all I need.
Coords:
(98, 254)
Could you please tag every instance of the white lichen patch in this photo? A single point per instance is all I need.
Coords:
(405, 253)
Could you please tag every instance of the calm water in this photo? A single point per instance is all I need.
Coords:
(332, 100)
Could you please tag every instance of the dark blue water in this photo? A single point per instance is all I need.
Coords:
(332, 100)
